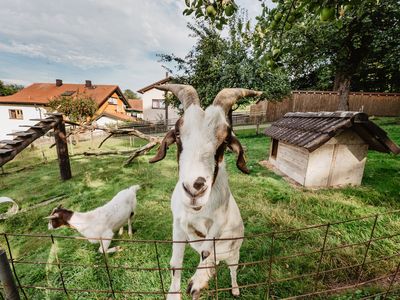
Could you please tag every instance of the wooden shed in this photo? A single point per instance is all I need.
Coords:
(322, 149)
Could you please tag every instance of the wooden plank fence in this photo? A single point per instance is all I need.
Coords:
(376, 104)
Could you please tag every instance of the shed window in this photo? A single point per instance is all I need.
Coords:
(274, 151)
(16, 114)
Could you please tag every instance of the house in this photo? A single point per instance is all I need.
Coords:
(323, 149)
(31, 103)
(135, 108)
(154, 108)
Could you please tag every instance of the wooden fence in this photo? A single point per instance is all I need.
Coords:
(377, 104)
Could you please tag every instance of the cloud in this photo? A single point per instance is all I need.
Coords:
(94, 33)
(106, 41)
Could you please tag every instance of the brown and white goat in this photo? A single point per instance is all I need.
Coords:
(202, 204)
(102, 222)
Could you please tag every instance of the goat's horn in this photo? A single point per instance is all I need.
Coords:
(51, 217)
(185, 93)
(228, 97)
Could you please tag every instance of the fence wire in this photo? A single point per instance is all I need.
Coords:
(275, 246)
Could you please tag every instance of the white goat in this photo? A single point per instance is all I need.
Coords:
(202, 204)
(101, 222)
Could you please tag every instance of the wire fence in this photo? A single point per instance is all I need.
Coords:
(272, 267)
(242, 118)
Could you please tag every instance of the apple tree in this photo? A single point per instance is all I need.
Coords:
(342, 44)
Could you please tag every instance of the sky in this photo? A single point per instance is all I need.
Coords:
(106, 41)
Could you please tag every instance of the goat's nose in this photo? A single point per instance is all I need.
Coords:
(199, 183)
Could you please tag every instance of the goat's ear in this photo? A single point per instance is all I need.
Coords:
(169, 139)
(236, 147)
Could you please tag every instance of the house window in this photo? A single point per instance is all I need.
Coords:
(274, 150)
(16, 114)
(158, 104)
(113, 101)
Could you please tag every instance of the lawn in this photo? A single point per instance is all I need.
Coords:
(267, 204)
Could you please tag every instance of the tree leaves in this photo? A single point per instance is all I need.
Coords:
(217, 62)
(77, 109)
(9, 89)
(217, 12)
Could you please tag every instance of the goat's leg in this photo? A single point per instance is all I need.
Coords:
(199, 281)
(130, 225)
(121, 230)
(178, 250)
(232, 262)
(105, 244)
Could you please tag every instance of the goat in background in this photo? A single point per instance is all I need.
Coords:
(202, 204)
(102, 222)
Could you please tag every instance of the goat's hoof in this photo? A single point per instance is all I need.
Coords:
(195, 295)
(118, 249)
(174, 297)
(194, 289)
(235, 292)
(189, 288)
(205, 254)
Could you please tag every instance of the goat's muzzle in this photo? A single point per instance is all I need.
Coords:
(194, 193)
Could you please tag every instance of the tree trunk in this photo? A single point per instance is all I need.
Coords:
(342, 85)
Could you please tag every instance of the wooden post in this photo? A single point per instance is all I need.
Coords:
(62, 149)
(6, 277)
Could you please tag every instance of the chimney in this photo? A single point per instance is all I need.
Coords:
(88, 84)
(58, 82)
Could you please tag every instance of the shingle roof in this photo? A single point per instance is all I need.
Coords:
(41, 93)
(313, 129)
(135, 104)
(151, 86)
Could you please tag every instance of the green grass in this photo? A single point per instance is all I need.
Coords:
(267, 203)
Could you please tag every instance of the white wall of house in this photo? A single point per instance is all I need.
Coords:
(8, 125)
(106, 121)
(156, 114)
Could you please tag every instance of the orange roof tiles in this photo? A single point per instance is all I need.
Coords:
(135, 104)
(41, 93)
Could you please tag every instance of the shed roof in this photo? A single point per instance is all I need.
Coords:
(310, 130)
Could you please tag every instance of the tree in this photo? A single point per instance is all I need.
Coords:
(129, 94)
(215, 63)
(78, 109)
(308, 36)
(335, 43)
(9, 89)
(218, 12)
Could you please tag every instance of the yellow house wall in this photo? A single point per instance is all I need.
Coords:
(107, 107)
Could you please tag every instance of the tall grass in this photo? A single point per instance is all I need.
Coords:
(266, 201)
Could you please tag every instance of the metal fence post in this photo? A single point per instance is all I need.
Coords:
(6, 277)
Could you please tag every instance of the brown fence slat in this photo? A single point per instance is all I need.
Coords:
(377, 104)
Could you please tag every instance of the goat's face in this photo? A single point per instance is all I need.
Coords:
(201, 138)
(59, 217)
